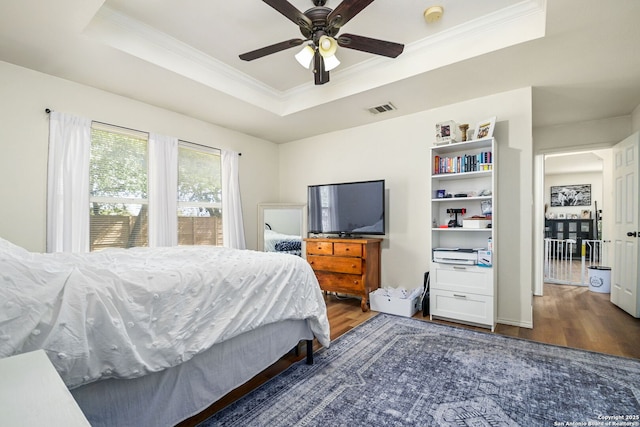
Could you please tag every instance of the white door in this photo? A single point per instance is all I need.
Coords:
(626, 176)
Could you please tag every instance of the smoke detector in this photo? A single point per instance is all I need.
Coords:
(433, 14)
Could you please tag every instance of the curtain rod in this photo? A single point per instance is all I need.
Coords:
(48, 111)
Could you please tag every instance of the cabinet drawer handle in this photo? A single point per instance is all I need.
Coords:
(455, 267)
(459, 296)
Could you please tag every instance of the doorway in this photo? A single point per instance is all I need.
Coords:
(584, 171)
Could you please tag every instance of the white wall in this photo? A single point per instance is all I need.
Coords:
(593, 134)
(24, 95)
(635, 120)
(397, 150)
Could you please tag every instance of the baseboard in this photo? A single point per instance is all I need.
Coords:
(528, 325)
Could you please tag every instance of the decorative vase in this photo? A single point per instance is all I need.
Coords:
(463, 129)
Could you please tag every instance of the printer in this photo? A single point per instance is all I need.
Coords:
(455, 256)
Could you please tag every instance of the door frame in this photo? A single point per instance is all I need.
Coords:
(538, 224)
(538, 204)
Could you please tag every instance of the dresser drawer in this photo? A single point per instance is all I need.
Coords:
(458, 305)
(463, 278)
(341, 283)
(319, 248)
(347, 249)
(335, 264)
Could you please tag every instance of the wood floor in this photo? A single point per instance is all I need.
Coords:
(573, 316)
(570, 316)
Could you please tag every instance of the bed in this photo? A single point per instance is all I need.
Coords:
(150, 337)
(275, 241)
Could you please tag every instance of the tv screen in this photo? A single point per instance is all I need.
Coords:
(350, 208)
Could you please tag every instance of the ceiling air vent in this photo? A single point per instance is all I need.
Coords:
(382, 108)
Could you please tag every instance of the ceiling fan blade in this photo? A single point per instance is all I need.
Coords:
(320, 75)
(367, 44)
(290, 11)
(345, 11)
(268, 50)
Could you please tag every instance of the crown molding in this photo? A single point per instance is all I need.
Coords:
(509, 26)
(131, 36)
(514, 24)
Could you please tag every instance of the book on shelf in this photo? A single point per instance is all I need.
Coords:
(466, 163)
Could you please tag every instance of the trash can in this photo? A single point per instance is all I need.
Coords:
(600, 279)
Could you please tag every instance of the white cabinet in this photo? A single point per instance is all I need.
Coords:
(463, 293)
(463, 215)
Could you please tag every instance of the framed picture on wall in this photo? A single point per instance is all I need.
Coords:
(571, 195)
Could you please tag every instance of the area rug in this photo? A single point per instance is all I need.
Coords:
(396, 371)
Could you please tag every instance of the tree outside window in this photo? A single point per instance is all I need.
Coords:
(118, 183)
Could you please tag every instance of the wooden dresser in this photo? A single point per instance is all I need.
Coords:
(348, 266)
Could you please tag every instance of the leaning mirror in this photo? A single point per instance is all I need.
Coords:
(281, 227)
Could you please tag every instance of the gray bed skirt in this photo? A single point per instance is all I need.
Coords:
(167, 397)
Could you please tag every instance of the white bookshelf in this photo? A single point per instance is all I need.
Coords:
(462, 292)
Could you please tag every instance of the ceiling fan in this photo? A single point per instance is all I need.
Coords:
(320, 26)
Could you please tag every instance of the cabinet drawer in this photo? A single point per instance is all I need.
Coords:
(463, 278)
(336, 264)
(319, 248)
(347, 249)
(342, 283)
(466, 307)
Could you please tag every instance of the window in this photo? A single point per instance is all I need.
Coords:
(199, 196)
(118, 188)
(118, 184)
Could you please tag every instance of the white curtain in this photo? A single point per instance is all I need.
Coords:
(68, 183)
(232, 222)
(163, 190)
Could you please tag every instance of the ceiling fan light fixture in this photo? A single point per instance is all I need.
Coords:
(305, 56)
(327, 46)
(330, 62)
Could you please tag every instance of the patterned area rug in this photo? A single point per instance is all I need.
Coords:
(395, 371)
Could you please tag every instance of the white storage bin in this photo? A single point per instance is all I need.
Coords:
(475, 223)
(406, 307)
(600, 279)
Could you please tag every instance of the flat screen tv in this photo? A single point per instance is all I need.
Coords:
(346, 209)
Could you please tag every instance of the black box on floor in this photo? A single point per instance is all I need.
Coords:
(425, 295)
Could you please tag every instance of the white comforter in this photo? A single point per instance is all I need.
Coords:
(124, 313)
